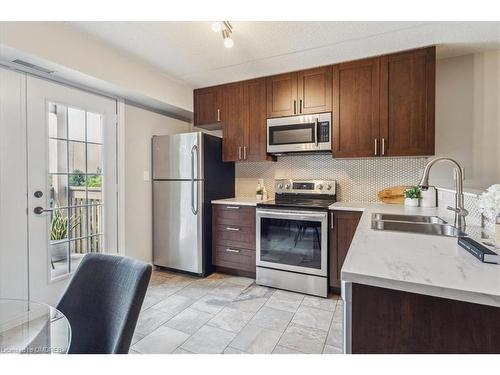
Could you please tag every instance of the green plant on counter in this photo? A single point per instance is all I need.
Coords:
(412, 192)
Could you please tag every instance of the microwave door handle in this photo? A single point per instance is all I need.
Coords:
(316, 127)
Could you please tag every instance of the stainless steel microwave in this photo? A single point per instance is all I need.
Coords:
(303, 133)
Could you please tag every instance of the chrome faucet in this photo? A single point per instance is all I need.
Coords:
(460, 211)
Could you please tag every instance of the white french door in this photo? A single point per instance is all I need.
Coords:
(72, 182)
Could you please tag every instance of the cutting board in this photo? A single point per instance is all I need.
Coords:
(392, 195)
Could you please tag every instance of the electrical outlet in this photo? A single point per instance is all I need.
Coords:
(145, 175)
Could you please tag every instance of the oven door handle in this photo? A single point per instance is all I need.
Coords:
(294, 215)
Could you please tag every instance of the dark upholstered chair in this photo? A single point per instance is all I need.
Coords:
(103, 301)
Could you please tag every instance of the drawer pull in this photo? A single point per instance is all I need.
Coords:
(233, 229)
(232, 207)
(232, 250)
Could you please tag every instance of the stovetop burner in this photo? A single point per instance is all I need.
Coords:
(311, 194)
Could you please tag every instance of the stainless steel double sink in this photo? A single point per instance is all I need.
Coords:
(415, 224)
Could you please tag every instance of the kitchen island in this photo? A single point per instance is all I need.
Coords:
(414, 293)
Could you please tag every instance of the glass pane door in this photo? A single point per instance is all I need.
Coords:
(75, 175)
(291, 242)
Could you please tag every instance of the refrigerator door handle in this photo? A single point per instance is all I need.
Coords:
(194, 209)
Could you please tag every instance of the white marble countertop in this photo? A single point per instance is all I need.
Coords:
(424, 264)
(240, 201)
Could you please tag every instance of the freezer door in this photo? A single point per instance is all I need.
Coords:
(178, 156)
(177, 225)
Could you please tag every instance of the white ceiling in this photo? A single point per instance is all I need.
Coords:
(193, 53)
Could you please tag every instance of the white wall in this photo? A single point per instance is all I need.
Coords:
(468, 118)
(140, 126)
(61, 44)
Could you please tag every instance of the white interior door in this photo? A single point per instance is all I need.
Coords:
(72, 182)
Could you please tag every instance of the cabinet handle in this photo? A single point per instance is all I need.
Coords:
(233, 207)
(232, 250)
(239, 153)
(300, 106)
(244, 152)
(383, 146)
(294, 107)
(331, 220)
(233, 229)
(376, 146)
(218, 115)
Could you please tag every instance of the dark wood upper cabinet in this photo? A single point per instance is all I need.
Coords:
(407, 99)
(234, 121)
(208, 106)
(356, 108)
(314, 93)
(282, 95)
(341, 235)
(255, 140)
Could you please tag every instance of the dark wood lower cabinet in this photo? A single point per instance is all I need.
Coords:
(343, 225)
(233, 247)
(390, 321)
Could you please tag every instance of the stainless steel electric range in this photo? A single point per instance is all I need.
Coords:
(292, 236)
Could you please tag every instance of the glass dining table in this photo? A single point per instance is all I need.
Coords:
(32, 328)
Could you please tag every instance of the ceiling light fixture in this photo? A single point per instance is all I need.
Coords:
(226, 28)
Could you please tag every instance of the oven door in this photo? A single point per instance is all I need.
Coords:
(292, 240)
(299, 133)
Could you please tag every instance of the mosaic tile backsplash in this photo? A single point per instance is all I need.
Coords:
(358, 180)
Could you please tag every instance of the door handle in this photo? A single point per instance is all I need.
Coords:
(383, 146)
(233, 229)
(232, 250)
(376, 146)
(218, 115)
(233, 207)
(239, 153)
(244, 152)
(294, 107)
(194, 209)
(331, 220)
(300, 106)
(41, 210)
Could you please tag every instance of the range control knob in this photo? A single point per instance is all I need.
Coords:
(328, 187)
(280, 186)
(287, 186)
(320, 186)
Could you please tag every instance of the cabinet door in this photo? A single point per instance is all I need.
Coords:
(255, 130)
(314, 87)
(282, 95)
(407, 103)
(233, 123)
(341, 235)
(207, 106)
(356, 109)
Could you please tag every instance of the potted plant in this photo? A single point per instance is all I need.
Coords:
(59, 234)
(489, 204)
(259, 193)
(412, 196)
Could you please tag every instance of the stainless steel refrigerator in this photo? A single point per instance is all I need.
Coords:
(188, 173)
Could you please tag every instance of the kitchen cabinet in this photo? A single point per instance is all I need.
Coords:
(356, 108)
(384, 106)
(343, 225)
(314, 90)
(234, 122)
(297, 93)
(386, 321)
(208, 107)
(233, 234)
(407, 99)
(244, 121)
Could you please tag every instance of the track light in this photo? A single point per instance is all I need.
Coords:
(226, 28)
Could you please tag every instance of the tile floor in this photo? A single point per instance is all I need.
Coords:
(232, 315)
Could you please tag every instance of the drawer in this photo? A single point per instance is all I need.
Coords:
(235, 235)
(235, 258)
(232, 214)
